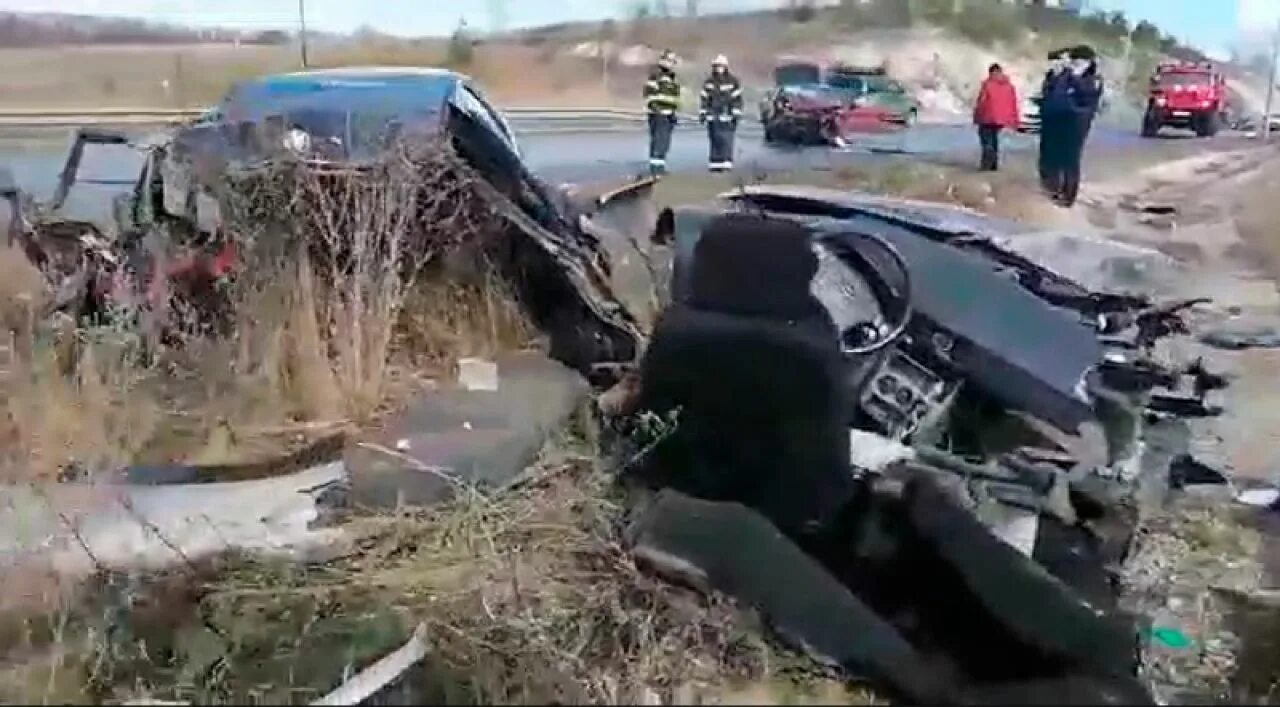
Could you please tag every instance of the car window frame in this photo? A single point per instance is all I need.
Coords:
(849, 82)
(473, 103)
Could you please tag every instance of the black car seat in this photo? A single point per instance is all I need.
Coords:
(753, 364)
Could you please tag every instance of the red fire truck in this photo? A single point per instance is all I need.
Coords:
(1187, 95)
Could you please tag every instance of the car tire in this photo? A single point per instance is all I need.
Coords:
(1150, 126)
(1207, 125)
(911, 118)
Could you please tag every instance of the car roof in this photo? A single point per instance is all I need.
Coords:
(373, 71)
(392, 89)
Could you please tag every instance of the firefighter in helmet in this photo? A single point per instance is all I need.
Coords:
(662, 99)
(721, 110)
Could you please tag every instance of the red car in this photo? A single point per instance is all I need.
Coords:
(802, 109)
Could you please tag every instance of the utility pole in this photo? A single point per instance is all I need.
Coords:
(1271, 84)
(302, 29)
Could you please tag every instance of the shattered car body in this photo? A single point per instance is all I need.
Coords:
(802, 109)
(983, 315)
(855, 405)
(342, 120)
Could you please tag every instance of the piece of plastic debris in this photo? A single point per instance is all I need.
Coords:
(1265, 497)
(873, 452)
(382, 673)
(1171, 637)
(477, 374)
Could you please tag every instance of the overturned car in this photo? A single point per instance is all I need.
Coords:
(170, 232)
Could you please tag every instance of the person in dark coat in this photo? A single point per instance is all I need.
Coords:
(1086, 97)
(1051, 122)
(720, 111)
(1071, 98)
(661, 100)
(995, 110)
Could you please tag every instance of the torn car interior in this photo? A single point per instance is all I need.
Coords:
(999, 391)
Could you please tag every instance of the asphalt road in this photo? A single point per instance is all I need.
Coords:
(599, 153)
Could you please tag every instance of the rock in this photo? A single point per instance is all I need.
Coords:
(450, 437)
(732, 549)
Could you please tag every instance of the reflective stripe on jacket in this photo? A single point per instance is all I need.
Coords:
(721, 97)
(662, 92)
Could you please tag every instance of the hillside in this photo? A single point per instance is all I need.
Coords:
(938, 52)
(44, 29)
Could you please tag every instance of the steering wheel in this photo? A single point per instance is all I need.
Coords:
(887, 274)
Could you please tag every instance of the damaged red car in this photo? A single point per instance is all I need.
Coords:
(802, 109)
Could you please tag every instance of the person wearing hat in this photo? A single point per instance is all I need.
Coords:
(721, 108)
(662, 100)
(1072, 94)
(1052, 120)
(1085, 99)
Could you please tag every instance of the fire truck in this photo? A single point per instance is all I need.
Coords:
(1187, 95)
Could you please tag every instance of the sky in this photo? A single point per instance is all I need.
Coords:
(1209, 24)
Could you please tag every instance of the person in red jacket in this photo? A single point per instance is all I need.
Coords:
(995, 110)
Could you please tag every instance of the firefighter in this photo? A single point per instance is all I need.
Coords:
(995, 110)
(720, 112)
(662, 99)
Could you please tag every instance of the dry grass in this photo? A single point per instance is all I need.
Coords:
(317, 342)
(526, 593)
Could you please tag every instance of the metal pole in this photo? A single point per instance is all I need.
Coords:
(302, 29)
(1271, 84)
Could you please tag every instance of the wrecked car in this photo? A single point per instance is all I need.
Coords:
(911, 409)
(802, 109)
(340, 121)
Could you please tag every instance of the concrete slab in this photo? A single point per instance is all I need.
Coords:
(451, 438)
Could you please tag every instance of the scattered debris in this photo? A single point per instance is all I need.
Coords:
(1265, 497)
(463, 438)
(477, 374)
(1171, 638)
(377, 677)
(919, 328)
(1237, 339)
(1186, 471)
